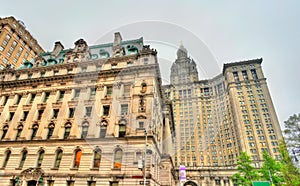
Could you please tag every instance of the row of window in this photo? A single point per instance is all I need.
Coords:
(117, 158)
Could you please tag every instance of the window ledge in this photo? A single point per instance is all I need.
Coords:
(54, 168)
(94, 169)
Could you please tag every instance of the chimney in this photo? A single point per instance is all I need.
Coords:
(58, 47)
(118, 39)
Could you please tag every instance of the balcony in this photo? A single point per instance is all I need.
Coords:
(73, 103)
(89, 102)
(27, 107)
(13, 108)
(56, 105)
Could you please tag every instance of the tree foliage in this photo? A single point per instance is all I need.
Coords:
(292, 130)
(288, 170)
(271, 168)
(246, 172)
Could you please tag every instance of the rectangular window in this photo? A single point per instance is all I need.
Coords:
(11, 115)
(92, 93)
(4, 98)
(254, 74)
(47, 94)
(43, 74)
(126, 90)
(32, 98)
(55, 72)
(88, 111)
(71, 112)
(236, 76)
(76, 94)
(245, 75)
(61, 95)
(40, 114)
(105, 110)
(141, 125)
(124, 109)
(25, 114)
(18, 99)
(109, 91)
(55, 113)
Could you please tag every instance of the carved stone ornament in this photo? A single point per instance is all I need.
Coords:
(32, 174)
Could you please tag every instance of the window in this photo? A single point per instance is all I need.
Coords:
(35, 128)
(124, 109)
(29, 76)
(32, 98)
(1, 48)
(5, 129)
(141, 124)
(7, 156)
(77, 157)
(67, 130)
(4, 43)
(19, 131)
(23, 158)
(61, 95)
(55, 113)
(85, 128)
(58, 157)
(254, 74)
(105, 110)
(4, 100)
(122, 130)
(70, 183)
(97, 158)
(47, 94)
(245, 75)
(76, 94)
(92, 93)
(91, 183)
(109, 91)
(71, 112)
(83, 69)
(55, 72)
(18, 99)
(40, 158)
(11, 116)
(40, 114)
(50, 130)
(126, 90)
(118, 159)
(103, 129)
(88, 111)
(113, 183)
(236, 76)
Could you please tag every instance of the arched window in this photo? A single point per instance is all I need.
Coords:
(58, 157)
(85, 128)
(67, 130)
(20, 128)
(77, 157)
(23, 158)
(7, 156)
(5, 129)
(97, 158)
(50, 130)
(40, 158)
(35, 128)
(103, 127)
(118, 158)
(144, 87)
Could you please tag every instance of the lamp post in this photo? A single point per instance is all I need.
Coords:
(145, 152)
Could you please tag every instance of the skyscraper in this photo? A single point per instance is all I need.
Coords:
(17, 45)
(218, 118)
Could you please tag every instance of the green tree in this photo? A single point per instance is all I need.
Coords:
(292, 131)
(271, 168)
(246, 172)
(288, 170)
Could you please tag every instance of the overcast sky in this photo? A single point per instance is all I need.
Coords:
(214, 32)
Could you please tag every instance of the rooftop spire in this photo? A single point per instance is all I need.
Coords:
(181, 52)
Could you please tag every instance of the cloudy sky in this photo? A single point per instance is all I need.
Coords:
(214, 32)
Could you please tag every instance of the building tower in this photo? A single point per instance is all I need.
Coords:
(218, 118)
(17, 45)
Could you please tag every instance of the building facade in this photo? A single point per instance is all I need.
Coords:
(91, 115)
(17, 45)
(218, 118)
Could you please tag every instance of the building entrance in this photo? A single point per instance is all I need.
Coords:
(31, 183)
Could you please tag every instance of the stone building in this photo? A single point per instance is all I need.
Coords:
(16, 43)
(79, 117)
(218, 118)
